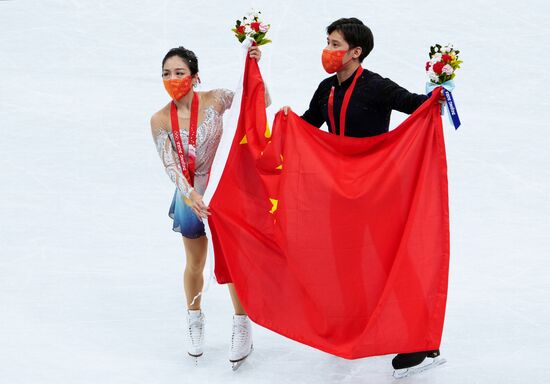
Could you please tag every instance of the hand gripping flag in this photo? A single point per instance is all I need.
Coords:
(339, 243)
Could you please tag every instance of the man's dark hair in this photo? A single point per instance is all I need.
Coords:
(355, 33)
(186, 55)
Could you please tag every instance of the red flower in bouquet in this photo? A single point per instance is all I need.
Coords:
(255, 26)
(438, 67)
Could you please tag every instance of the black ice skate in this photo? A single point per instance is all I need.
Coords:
(407, 364)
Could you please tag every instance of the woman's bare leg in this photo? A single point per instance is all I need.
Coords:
(239, 310)
(193, 280)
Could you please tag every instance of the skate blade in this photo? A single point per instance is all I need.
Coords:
(195, 358)
(235, 365)
(402, 373)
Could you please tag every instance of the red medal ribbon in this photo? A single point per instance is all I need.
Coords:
(345, 104)
(187, 167)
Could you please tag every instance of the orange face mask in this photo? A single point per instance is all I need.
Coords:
(332, 60)
(178, 88)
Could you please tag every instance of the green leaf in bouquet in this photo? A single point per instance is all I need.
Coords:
(264, 42)
(238, 24)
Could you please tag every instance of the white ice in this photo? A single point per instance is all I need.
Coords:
(90, 271)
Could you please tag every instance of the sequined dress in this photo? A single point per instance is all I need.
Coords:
(209, 133)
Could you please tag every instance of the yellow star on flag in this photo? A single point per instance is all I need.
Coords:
(274, 203)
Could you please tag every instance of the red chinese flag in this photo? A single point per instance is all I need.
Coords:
(339, 243)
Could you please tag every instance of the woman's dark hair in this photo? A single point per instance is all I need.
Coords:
(355, 33)
(186, 55)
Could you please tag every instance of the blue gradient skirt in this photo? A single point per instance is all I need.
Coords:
(185, 221)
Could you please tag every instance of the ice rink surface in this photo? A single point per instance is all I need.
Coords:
(90, 271)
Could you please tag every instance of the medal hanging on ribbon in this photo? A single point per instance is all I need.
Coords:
(345, 104)
(187, 167)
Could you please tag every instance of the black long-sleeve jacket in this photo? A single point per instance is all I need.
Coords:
(370, 105)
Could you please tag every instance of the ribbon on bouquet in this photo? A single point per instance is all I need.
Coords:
(448, 87)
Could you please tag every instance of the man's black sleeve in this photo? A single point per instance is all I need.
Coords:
(314, 115)
(398, 98)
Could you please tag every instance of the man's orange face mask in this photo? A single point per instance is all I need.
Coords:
(332, 60)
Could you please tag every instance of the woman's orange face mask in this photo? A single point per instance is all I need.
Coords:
(178, 88)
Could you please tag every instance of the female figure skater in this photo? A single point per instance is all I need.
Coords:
(187, 132)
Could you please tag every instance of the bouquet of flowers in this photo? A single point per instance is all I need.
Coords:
(253, 28)
(442, 64)
(441, 70)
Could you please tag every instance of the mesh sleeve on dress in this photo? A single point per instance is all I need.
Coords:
(224, 98)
